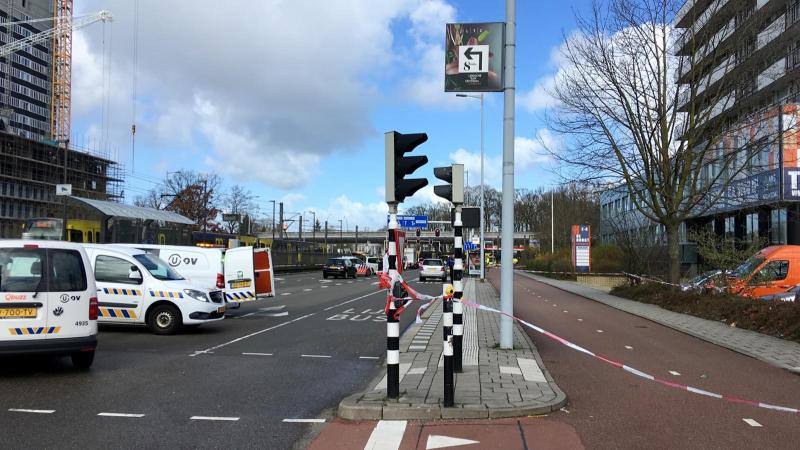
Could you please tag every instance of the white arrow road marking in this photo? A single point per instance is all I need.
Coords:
(437, 441)
(386, 435)
(752, 422)
(105, 414)
(34, 411)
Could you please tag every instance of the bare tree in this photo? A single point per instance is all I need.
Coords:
(152, 199)
(626, 120)
(194, 195)
(241, 201)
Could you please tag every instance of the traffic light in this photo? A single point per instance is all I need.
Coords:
(398, 166)
(454, 175)
(437, 232)
(418, 232)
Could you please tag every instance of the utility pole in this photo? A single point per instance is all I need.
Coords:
(300, 228)
(273, 223)
(356, 247)
(280, 225)
(326, 236)
(552, 225)
(507, 236)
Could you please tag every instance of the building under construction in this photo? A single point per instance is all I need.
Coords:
(30, 170)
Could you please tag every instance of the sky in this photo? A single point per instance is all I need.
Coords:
(291, 98)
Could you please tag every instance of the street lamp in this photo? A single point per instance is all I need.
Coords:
(314, 227)
(341, 235)
(483, 244)
(273, 222)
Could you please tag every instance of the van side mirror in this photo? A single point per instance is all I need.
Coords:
(134, 273)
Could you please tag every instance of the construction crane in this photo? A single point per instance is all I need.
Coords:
(61, 35)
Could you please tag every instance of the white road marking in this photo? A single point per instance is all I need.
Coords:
(629, 347)
(752, 422)
(386, 435)
(565, 311)
(374, 283)
(307, 290)
(280, 314)
(599, 331)
(368, 357)
(674, 373)
(323, 287)
(34, 411)
(105, 414)
(272, 308)
(580, 320)
(438, 441)
(227, 419)
(256, 354)
(304, 420)
(287, 293)
(245, 315)
(315, 356)
(338, 284)
(279, 279)
(210, 349)
(531, 370)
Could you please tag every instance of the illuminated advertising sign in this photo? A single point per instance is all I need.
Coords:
(581, 248)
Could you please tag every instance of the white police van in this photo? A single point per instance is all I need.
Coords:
(48, 302)
(136, 287)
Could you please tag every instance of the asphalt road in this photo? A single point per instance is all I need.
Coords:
(610, 408)
(231, 384)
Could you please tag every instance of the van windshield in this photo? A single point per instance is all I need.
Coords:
(748, 267)
(159, 269)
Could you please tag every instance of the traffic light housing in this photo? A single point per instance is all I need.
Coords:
(437, 232)
(418, 232)
(454, 176)
(399, 166)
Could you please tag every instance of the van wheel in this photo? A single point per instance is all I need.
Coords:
(164, 319)
(82, 360)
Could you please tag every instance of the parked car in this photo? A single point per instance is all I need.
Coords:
(49, 300)
(339, 267)
(772, 270)
(433, 268)
(788, 296)
(713, 279)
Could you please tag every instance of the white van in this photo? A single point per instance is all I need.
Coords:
(230, 270)
(136, 287)
(48, 302)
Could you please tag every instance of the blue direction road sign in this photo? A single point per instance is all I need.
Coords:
(411, 222)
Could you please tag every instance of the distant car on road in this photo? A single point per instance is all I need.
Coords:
(339, 267)
(432, 268)
(374, 264)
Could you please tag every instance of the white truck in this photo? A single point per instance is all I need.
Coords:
(409, 258)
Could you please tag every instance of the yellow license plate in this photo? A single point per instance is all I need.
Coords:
(240, 284)
(221, 309)
(17, 313)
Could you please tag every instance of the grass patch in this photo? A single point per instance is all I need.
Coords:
(775, 318)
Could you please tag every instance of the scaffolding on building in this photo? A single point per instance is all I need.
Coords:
(30, 171)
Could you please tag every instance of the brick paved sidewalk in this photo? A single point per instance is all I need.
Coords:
(772, 350)
(494, 382)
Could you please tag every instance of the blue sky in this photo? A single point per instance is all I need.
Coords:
(291, 99)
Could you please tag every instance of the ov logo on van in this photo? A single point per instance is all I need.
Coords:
(175, 260)
(66, 298)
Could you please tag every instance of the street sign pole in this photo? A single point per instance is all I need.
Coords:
(392, 323)
(507, 237)
(458, 288)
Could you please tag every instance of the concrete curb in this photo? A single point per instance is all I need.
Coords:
(369, 405)
(560, 284)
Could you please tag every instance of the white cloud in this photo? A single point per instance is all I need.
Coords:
(277, 92)
(539, 97)
(352, 213)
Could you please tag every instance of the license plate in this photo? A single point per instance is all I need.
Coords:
(221, 309)
(240, 284)
(16, 313)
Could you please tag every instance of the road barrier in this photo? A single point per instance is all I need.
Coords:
(413, 295)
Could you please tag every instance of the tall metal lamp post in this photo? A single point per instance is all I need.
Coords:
(483, 245)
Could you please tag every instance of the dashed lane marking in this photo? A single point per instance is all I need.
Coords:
(307, 290)
(304, 420)
(324, 287)
(752, 423)
(108, 414)
(580, 320)
(565, 311)
(280, 314)
(629, 347)
(33, 411)
(256, 354)
(338, 284)
(674, 373)
(287, 293)
(315, 356)
(387, 434)
(222, 419)
(368, 357)
(599, 331)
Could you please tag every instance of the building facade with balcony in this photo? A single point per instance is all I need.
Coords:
(739, 64)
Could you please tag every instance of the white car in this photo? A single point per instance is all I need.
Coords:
(432, 268)
(374, 264)
(49, 303)
(135, 287)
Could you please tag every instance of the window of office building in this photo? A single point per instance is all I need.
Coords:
(751, 224)
(730, 227)
(777, 224)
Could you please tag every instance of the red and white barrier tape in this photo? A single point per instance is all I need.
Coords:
(638, 373)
